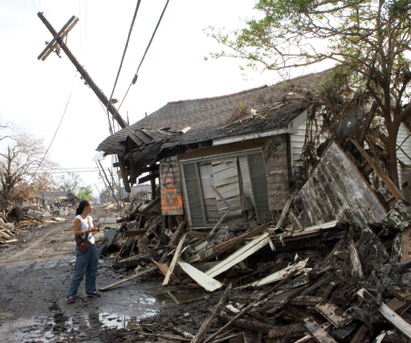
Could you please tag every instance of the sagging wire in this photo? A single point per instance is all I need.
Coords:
(124, 52)
(145, 53)
(52, 140)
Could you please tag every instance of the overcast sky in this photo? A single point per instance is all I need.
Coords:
(34, 94)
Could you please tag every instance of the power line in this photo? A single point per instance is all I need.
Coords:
(52, 140)
(145, 53)
(94, 170)
(125, 48)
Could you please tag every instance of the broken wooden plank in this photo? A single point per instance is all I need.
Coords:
(334, 314)
(393, 189)
(319, 334)
(281, 274)
(361, 335)
(306, 300)
(207, 323)
(308, 338)
(177, 233)
(132, 233)
(355, 261)
(176, 338)
(388, 314)
(380, 337)
(262, 299)
(239, 255)
(102, 289)
(404, 253)
(308, 231)
(396, 304)
(255, 325)
(283, 299)
(204, 280)
(164, 270)
(224, 246)
(174, 261)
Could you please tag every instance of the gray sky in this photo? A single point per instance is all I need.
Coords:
(35, 94)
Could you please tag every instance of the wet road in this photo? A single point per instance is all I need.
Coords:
(33, 306)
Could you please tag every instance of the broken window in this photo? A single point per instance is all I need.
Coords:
(234, 186)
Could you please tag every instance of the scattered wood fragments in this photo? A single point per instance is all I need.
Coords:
(335, 272)
(11, 228)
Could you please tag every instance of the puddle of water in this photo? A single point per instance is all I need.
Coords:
(118, 321)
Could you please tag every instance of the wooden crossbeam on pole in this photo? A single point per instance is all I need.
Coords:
(87, 78)
(65, 33)
(49, 48)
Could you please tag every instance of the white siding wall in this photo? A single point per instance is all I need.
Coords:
(404, 141)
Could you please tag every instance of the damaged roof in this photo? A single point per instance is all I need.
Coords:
(258, 109)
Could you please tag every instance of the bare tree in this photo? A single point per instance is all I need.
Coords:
(18, 166)
(70, 183)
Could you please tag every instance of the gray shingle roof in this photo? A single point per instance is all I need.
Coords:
(216, 117)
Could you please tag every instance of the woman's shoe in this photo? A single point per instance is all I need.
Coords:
(94, 295)
(70, 300)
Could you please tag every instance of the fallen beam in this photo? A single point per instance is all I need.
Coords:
(106, 288)
(319, 334)
(388, 314)
(207, 323)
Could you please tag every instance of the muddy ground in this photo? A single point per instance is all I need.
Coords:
(35, 275)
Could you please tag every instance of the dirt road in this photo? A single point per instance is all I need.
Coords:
(34, 277)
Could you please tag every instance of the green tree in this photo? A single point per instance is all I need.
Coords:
(85, 193)
(369, 42)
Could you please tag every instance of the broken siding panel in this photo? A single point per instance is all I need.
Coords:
(345, 185)
(247, 191)
(259, 185)
(404, 145)
(327, 208)
(297, 141)
(276, 162)
(226, 182)
(348, 194)
(337, 196)
(194, 200)
(171, 198)
(404, 157)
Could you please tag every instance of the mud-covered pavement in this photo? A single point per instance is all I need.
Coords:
(35, 275)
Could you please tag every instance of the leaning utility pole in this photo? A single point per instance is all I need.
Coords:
(58, 41)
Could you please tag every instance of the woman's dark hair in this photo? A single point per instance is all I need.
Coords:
(81, 206)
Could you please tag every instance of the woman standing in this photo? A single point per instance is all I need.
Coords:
(87, 262)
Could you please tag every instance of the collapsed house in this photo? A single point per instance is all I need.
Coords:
(230, 156)
(55, 199)
(336, 249)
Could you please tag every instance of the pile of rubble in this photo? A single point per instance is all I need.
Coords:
(18, 221)
(339, 281)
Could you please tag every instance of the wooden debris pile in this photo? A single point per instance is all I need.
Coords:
(18, 222)
(345, 279)
(333, 282)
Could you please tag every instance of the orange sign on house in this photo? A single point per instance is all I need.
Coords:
(171, 200)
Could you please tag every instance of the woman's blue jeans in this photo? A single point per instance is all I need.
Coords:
(86, 264)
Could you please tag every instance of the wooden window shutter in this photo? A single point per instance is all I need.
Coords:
(259, 186)
(194, 194)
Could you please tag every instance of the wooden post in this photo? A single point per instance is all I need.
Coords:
(84, 74)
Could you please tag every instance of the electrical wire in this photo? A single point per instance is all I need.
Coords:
(52, 140)
(145, 53)
(124, 52)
